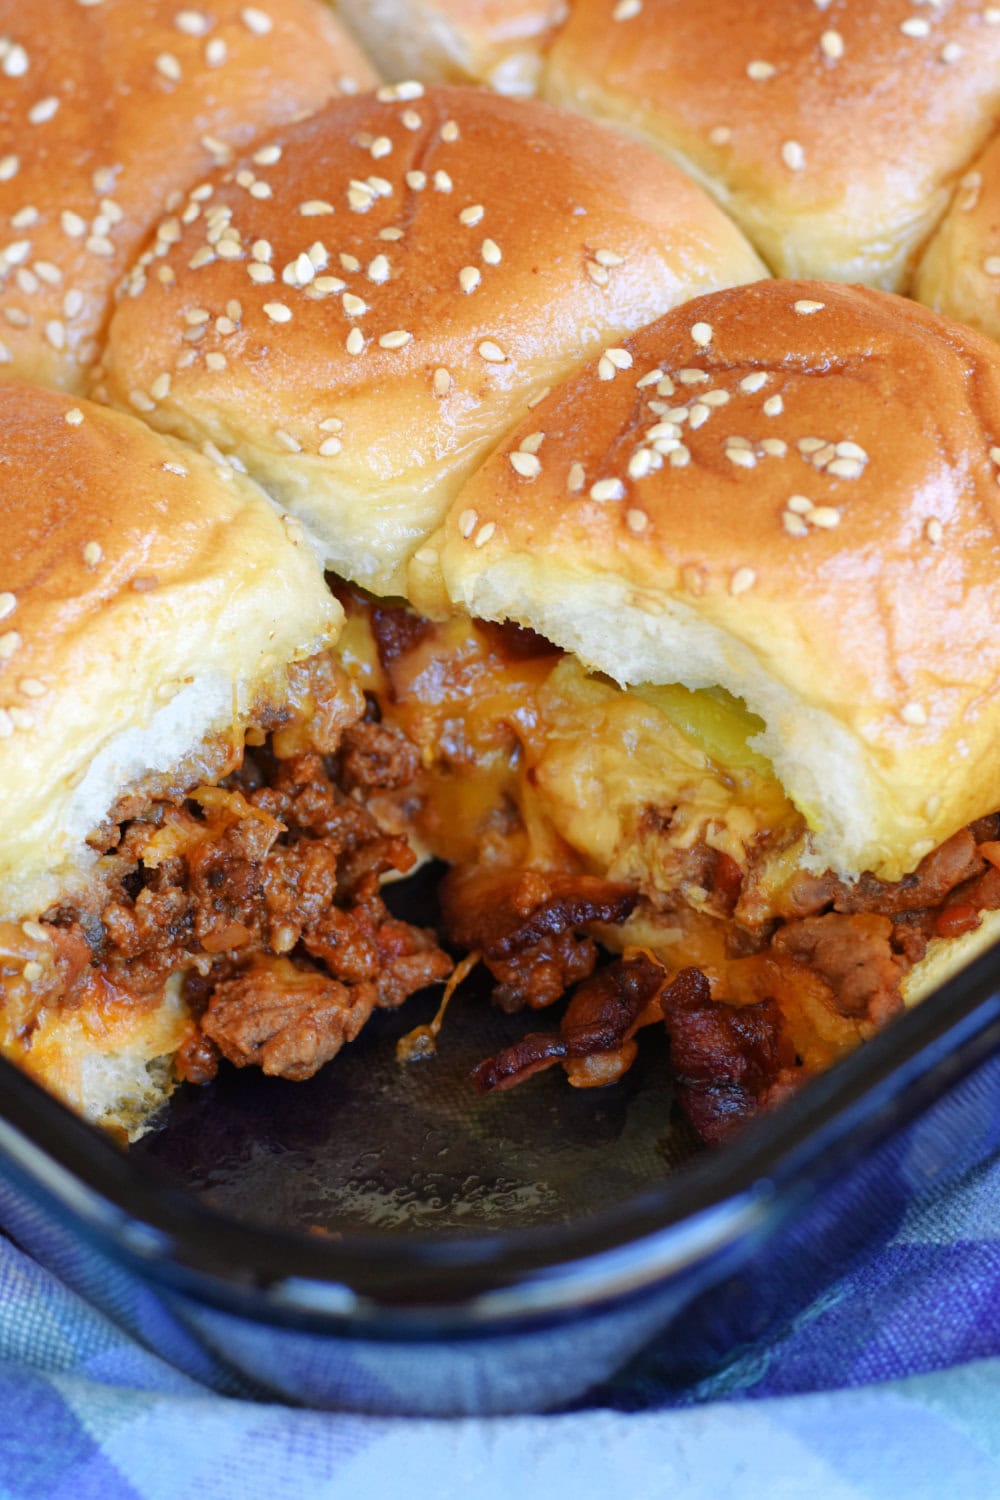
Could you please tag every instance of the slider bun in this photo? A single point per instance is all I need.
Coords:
(498, 42)
(840, 161)
(147, 605)
(105, 111)
(865, 631)
(960, 271)
(368, 447)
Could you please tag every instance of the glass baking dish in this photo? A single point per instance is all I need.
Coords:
(382, 1238)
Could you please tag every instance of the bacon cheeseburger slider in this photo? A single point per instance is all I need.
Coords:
(187, 865)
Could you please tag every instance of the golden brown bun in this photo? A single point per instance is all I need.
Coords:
(498, 42)
(105, 111)
(960, 270)
(830, 134)
(823, 543)
(564, 234)
(147, 604)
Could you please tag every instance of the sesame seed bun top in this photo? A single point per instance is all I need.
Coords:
(423, 267)
(108, 108)
(959, 273)
(498, 42)
(148, 598)
(831, 133)
(788, 490)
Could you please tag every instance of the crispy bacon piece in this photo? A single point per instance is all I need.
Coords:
(530, 927)
(596, 1031)
(729, 1061)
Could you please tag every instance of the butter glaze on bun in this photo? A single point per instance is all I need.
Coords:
(423, 266)
(497, 42)
(832, 135)
(105, 111)
(148, 603)
(788, 490)
(959, 274)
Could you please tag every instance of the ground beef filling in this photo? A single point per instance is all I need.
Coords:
(265, 891)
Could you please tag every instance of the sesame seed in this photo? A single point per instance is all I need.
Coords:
(699, 415)
(913, 713)
(260, 190)
(469, 278)
(380, 146)
(490, 251)
(74, 416)
(416, 180)
(354, 307)
(650, 378)
(278, 312)
(760, 71)
(640, 464)
(915, 26)
(485, 533)
(168, 67)
(845, 468)
(314, 207)
(397, 93)
(442, 182)
(626, 10)
(636, 520)
(355, 341)
(832, 45)
(10, 642)
(472, 215)
(398, 338)
(191, 22)
(539, 397)
(467, 522)
(742, 580)
(8, 604)
(575, 478)
(261, 250)
(267, 156)
(491, 352)
(608, 258)
(810, 444)
(801, 505)
(257, 21)
(44, 110)
(410, 119)
(99, 244)
(160, 387)
(934, 531)
(775, 447)
(743, 458)
(178, 469)
(141, 401)
(9, 167)
(32, 970)
(15, 63)
(720, 135)
(30, 687)
(951, 52)
(804, 305)
(329, 447)
(215, 361)
(72, 224)
(607, 489)
(525, 464)
(773, 406)
(442, 382)
(92, 554)
(754, 382)
(825, 517)
(598, 274)
(794, 525)
(701, 333)
(991, 265)
(793, 156)
(259, 272)
(450, 131)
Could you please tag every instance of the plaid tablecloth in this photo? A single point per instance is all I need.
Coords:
(98, 1398)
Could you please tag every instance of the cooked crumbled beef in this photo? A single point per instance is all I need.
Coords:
(530, 927)
(854, 955)
(266, 889)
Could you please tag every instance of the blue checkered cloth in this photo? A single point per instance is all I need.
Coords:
(885, 1386)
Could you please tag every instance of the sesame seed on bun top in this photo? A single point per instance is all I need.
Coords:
(107, 107)
(788, 490)
(363, 305)
(832, 132)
